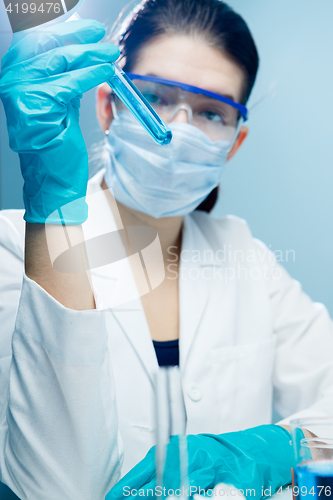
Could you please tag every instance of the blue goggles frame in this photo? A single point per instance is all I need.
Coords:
(195, 90)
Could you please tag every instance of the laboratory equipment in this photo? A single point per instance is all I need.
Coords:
(139, 106)
(218, 116)
(313, 449)
(24, 17)
(170, 420)
(39, 98)
(261, 459)
(314, 480)
(132, 98)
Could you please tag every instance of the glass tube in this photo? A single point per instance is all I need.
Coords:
(136, 103)
(139, 106)
(170, 419)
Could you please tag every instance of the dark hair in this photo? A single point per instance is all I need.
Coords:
(221, 26)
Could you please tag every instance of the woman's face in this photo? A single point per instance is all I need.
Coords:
(189, 60)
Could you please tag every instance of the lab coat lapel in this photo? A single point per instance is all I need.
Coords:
(114, 284)
(132, 320)
(193, 288)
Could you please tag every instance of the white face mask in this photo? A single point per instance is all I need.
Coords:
(162, 181)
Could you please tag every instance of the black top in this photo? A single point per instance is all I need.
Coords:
(167, 353)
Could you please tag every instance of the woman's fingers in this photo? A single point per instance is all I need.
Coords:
(46, 95)
(59, 61)
(66, 59)
(75, 69)
(139, 477)
(67, 86)
(49, 94)
(28, 46)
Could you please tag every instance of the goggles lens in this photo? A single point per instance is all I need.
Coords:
(217, 119)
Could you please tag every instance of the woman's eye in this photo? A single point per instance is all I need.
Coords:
(213, 117)
(152, 98)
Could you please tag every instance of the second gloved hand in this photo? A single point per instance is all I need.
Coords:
(252, 460)
(43, 77)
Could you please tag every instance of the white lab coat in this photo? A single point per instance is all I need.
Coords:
(81, 383)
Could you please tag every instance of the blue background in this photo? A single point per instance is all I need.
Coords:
(281, 180)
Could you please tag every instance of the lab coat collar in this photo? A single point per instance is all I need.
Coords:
(193, 287)
(116, 281)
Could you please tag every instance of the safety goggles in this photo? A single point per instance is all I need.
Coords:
(219, 117)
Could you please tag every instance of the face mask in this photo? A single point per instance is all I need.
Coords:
(162, 181)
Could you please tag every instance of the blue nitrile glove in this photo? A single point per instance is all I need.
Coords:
(254, 459)
(43, 77)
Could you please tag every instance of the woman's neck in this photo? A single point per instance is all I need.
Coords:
(169, 229)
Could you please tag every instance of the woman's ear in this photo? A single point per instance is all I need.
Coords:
(238, 142)
(104, 109)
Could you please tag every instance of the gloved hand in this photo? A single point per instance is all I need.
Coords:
(43, 77)
(254, 459)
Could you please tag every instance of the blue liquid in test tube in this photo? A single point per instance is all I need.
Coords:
(136, 103)
(314, 480)
(139, 106)
(120, 83)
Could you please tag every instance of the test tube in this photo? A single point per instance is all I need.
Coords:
(170, 420)
(139, 106)
(136, 103)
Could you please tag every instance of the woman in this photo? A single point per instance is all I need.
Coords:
(80, 387)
